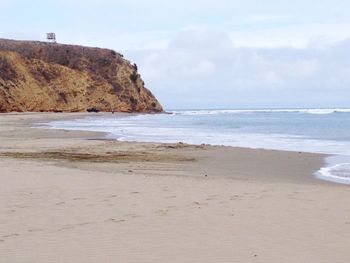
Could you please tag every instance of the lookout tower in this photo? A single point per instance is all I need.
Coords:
(51, 37)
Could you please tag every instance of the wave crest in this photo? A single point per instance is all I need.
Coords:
(237, 111)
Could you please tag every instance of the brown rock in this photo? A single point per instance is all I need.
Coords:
(40, 76)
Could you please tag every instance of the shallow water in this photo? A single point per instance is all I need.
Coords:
(309, 130)
(337, 170)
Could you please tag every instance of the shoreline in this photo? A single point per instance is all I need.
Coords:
(71, 196)
(35, 119)
(103, 136)
(326, 172)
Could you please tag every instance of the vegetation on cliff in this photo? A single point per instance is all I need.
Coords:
(40, 76)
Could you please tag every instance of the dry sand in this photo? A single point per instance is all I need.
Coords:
(68, 196)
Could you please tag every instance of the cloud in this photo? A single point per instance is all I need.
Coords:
(125, 23)
(201, 39)
(205, 69)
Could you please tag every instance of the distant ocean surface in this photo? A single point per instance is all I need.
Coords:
(308, 130)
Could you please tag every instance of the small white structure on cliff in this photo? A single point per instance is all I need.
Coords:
(51, 37)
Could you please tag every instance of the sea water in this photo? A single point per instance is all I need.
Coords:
(308, 130)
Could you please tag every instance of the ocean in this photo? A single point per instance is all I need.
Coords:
(306, 130)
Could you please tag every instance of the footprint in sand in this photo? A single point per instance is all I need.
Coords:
(67, 227)
(71, 226)
(78, 198)
(111, 196)
(35, 230)
(113, 220)
(212, 197)
(199, 203)
(235, 197)
(132, 215)
(11, 235)
(84, 223)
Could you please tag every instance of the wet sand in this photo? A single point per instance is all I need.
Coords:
(71, 196)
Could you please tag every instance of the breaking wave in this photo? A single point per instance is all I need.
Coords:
(213, 112)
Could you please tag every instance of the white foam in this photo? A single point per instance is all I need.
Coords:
(235, 111)
(137, 128)
(339, 173)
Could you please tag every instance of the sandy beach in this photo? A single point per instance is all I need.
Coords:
(71, 196)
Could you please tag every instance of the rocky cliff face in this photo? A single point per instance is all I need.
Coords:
(39, 76)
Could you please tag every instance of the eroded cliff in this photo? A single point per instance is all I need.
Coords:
(40, 76)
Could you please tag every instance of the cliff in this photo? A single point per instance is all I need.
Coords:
(40, 76)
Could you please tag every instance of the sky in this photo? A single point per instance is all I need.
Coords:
(209, 54)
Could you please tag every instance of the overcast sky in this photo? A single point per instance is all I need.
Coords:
(209, 54)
